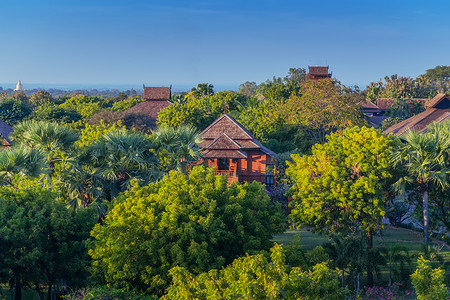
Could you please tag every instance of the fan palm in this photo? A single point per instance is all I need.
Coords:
(47, 137)
(21, 161)
(424, 160)
(177, 146)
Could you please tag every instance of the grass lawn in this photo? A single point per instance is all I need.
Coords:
(391, 236)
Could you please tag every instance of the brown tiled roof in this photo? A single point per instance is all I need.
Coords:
(157, 93)
(224, 154)
(228, 125)
(436, 100)
(5, 131)
(226, 134)
(318, 70)
(148, 110)
(224, 142)
(419, 122)
(386, 103)
(368, 105)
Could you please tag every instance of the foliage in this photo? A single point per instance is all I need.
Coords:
(428, 282)
(196, 222)
(40, 240)
(203, 89)
(127, 103)
(86, 106)
(41, 97)
(248, 88)
(423, 162)
(325, 106)
(107, 293)
(20, 161)
(254, 277)
(92, 133)
(54, 113)
(440, 76)
(397, 211)
(176, 147)
(394, 293)
(341, 185)
(13, 111)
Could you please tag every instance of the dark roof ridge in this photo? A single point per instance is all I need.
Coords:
(227, 139)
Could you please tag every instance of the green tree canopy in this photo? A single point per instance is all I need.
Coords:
(196, 222)
(254, 277)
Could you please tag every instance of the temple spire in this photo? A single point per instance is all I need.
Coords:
(19, 87)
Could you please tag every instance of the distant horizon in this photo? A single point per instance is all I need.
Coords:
(106, 86)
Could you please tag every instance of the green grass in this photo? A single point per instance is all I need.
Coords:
(27, 294)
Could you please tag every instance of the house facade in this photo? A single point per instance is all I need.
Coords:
(231, 149)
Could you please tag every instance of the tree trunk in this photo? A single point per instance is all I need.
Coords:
(50, 290)
(425, 219)
(368, 261)
(18, 290)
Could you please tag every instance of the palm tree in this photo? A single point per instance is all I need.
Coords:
(177, 146)
(20, 161)
(47, 137)
(424, 160)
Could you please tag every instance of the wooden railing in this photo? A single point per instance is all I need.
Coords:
(226, 172)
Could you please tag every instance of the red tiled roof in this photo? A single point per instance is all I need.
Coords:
(157, 93)
(149, 110)
(228, 125)
(224, 154)
(318, 70)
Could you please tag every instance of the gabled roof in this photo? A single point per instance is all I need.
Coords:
(436, 100)
(438, 111)
(149, 110)
(224, 154)
(5, 131)
(368, 105)
(157, 93)
(227, 134)
(228, 125)
(224, 142)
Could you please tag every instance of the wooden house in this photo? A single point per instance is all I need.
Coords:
(5, 131)
(316, 73)
(437, 110)
(232, 150)
(156, 98)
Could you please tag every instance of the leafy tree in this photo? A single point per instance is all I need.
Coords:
(428, 282)
(324, 107)
(340, 188)
(127, 103)
(196, 222)
(86, 106)
(41, 97)
(423, 159)
(40, 240)
(13, 111)
(189, 113)
(254, 277)
(248, 88)
(440, 75)
(54, 113)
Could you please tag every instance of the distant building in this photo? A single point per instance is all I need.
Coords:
(156, 98)
(317, 73)
(19, 87)
(232, 150)
(437, 110)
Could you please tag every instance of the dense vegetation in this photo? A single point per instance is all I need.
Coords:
(89, 196)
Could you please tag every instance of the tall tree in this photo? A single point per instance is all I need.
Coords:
(340, 188)
(324, 107)
(196, 222)
(423, 159)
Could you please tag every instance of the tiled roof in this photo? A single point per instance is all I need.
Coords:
(318, 70)
(157, 93)
(5, 131)
(368, 105)
(226, 134)
(224, 154)
(149, 110)
(228, 125)
(439, 111)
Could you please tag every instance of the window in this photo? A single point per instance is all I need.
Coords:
(270, 180)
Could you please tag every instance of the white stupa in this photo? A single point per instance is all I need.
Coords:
(19, 87)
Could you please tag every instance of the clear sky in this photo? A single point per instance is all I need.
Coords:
(221, 42)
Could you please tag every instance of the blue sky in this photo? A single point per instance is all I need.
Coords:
(220, 42)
